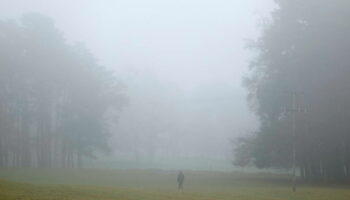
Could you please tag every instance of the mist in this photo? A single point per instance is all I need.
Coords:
(181, 64)
(174, 99)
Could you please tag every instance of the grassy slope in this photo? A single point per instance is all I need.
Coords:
(154, 185)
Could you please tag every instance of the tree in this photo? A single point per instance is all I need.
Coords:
(303, 52)
(54, 97)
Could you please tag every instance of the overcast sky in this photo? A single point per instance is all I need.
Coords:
(185, 41)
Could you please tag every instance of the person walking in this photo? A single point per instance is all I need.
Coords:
(180, 180)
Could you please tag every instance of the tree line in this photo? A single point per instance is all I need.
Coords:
(299, 87)
(56, 101)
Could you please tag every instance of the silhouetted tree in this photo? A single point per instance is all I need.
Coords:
(303, 52)
(54, 97)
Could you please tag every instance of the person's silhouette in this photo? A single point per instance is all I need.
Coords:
(180, 180)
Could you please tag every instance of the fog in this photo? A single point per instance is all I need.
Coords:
(174, 99)
(181, 65)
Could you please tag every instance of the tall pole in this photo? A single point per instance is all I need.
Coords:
(294, 110)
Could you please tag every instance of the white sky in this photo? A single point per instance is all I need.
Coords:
(187, 42)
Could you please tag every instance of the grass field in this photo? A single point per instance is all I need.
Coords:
(91, 184)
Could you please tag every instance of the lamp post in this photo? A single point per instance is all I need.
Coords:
(295, 109)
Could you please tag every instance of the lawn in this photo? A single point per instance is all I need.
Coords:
(91, 184)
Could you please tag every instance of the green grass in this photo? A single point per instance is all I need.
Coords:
(91, 184)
